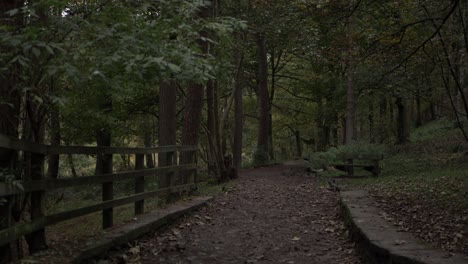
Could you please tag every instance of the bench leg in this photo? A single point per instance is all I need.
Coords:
(350, 168)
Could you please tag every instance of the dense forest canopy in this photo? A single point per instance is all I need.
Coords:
(262, 81)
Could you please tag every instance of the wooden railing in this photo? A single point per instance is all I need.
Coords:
(38, 187)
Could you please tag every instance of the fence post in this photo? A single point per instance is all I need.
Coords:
(104, 166)
(35, 170)
(139, 183)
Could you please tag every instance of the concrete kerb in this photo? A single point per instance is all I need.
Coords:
(145, 224)
(378, 241)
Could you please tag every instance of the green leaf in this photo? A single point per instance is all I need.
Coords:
(49, 49)
(36, 52)
(174, 68)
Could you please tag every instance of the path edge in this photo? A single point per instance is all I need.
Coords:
(148, 222)
(381, 251)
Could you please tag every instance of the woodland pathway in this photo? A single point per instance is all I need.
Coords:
(273, 215)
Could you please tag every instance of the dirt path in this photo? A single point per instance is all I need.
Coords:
(271, 216)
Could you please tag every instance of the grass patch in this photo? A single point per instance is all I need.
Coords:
(209, 189)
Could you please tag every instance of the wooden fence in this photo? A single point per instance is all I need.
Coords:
(37, 187)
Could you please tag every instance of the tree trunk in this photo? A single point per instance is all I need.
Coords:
(148, 144)
(9, 122)
(402, 124)
(55, 138)
(350, 97)
(192, 120)
(262, 155)
(167, 128)
(418, 111)
(194, 104)
(371, 124)
(297, 135)
(350, 105)
(71, 163)
(34, 169)
(238, 114)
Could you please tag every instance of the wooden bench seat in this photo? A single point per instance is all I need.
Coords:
(369, 163)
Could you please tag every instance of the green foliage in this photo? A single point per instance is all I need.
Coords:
(260, 157)
(11, 181)
(320, 160)
(438, 128)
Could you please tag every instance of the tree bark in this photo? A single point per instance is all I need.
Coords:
(194, 103)
(402, 124)
(55, 138)
(262, 155)
(9, 122)
(297, 135)
(238, 114)
(148, 144)
(350, 100)
(167, 127)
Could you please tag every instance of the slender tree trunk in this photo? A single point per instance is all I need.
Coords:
(215, 156)
(297, 135)
(55, 138)
(350, 97)
(418, 110)
(263, 99)
(9, 122)
(167, 128)
(34, 169)
(210, 123)
(371, 124)
(402, 124)
(350, 106)
(148, 144)
(274, 63)
(238, 114)
(71, 163)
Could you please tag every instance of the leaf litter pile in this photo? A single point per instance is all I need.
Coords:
(269, 217)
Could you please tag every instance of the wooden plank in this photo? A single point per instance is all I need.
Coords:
(362, 156)
(21, 145)
(353, 165)
(16, 231)
(51, 184)
(115, 150)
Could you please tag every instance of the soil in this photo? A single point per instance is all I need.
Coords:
(272, 215)
(442, 227)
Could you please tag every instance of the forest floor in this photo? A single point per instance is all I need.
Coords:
(269, 215)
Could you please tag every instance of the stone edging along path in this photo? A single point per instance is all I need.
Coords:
(145, 224)
(379, 242)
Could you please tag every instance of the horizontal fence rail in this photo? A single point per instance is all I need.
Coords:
(38, 187)
(20, 145)
(51, 184)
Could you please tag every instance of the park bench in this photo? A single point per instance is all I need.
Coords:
(370, 163)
